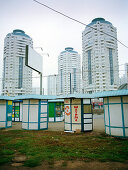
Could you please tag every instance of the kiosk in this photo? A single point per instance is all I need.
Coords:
(35, 111)
(78, 112)
(115, 112)
(6, 111)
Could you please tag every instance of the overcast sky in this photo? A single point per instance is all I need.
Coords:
(54, 32)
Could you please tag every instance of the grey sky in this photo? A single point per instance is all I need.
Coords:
(54, 32)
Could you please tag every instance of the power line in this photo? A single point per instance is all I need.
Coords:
(79, 72)
(78, 21)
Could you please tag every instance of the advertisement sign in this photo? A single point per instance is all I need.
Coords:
(76, 113)
(67, 110)
(17, 111)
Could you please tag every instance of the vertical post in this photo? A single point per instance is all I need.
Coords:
(70, 84)
(40, 83)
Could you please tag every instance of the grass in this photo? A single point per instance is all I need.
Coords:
(39, 146)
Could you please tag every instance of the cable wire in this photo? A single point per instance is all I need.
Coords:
(78, 21)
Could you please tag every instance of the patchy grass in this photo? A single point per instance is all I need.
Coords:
(39, 146)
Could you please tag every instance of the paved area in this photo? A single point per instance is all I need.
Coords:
(98, 125)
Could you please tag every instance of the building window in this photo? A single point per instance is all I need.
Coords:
(111, 66)
(74, 73)
(4, 73)
(89, 67)
(61, 80)
(20, 72)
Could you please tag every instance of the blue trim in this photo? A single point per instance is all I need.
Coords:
(30, 104)
(104, 115)
(115, 126)
(82, 116)
(47, 115)
(35, 122)
(71, 113)
(39, 110)
(73, 123)
(119, 136)
(122, 116)
(109, 116)
(114, 103)
(29, 122)
(35, 129)
(6, 113)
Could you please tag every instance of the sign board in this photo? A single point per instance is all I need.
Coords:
(33, 59)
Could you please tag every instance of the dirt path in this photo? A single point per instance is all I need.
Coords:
(71, 165)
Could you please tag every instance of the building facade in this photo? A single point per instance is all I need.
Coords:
(69, 72)
(100, 68)
(126, 72)
(17, 78)
(52, 85)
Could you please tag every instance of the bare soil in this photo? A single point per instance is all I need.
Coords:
(71, 165)
(98, 127)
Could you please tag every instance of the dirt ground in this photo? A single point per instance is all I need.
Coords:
(71, 165)
(98, 126)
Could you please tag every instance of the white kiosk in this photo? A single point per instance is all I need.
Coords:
(78, 112)
(6, 111)
(35, 111)
(115, 112)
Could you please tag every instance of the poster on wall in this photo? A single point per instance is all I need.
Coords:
(17, 111)
(76, 113)
(13, 112)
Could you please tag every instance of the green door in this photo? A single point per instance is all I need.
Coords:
(51, 108)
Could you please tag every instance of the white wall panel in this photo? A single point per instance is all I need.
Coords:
(2, 112)
(33, 126)
(25, 113)
(43, 108)
(2, 124)
(43, 125)
(115, 115)
(76, 127)
(117, 131)
(87, 127)
(106, 115)
(68, 127)
(24, 125)
(87, 115)
(33, 113)
(125, 108)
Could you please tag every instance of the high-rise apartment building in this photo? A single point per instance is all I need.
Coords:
(52, 85)
(100, 69)
(69, 72)
(17, 78)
